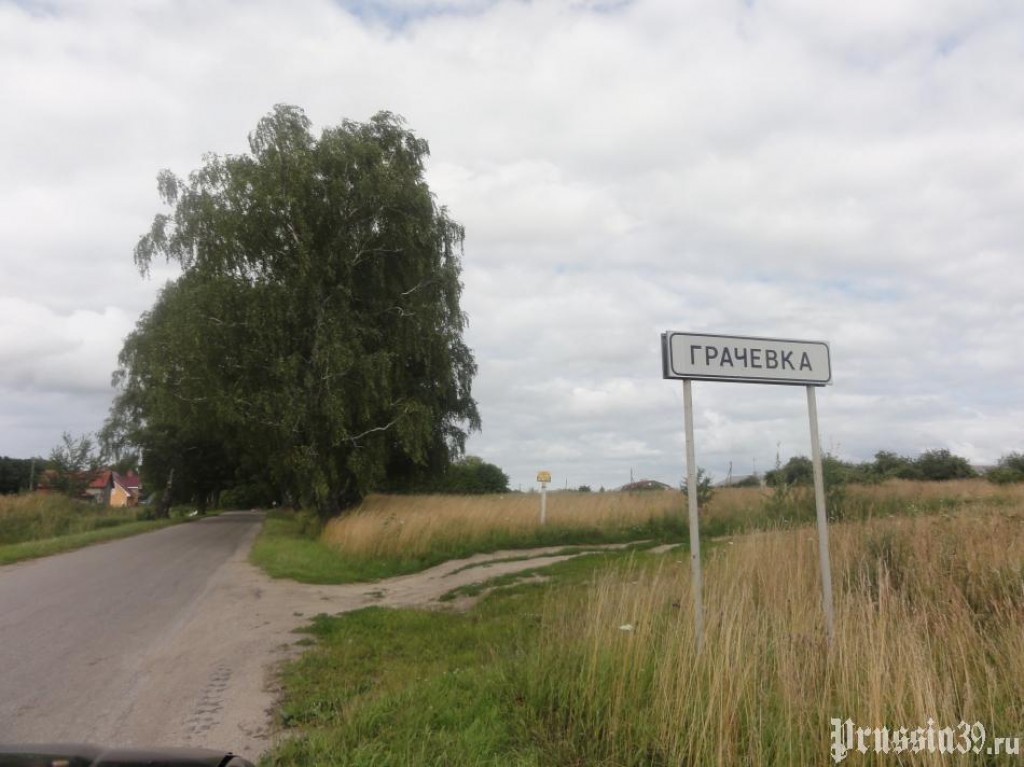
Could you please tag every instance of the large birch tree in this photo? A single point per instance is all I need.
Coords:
(315, 335)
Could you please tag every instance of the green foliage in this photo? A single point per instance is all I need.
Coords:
(249, 495)
(1010, 468)
(72, 463)
(749, 481)
(937, 465)
(798, 470)
(16, 474)
(473, 475)
(931, 465)
(467, 476)
(705, 487)
(791, 497)
(888, 465)
(314, 339)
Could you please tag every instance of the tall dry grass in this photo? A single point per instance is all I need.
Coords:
(429, 528)
(929, 617)
(411, 526)
(750, 508)
(39, 516)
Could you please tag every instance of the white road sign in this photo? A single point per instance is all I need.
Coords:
(748, 359)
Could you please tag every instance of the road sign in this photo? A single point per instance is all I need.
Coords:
(745, 359)
(543, 477)
(749, 359)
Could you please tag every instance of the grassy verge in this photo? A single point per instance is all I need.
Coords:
(597, 664)
(412, 687)
(285, 549)
(16, 552)
(37, 525)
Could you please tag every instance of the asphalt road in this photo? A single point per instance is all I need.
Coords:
(80, 632)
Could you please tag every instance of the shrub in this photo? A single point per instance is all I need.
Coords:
(705, 489)
(1010, 468)
(942, 465)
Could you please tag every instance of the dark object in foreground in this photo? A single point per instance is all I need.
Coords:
(81, 755)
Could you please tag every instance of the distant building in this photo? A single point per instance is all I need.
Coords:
(108, 488)
(104, 487)
(644, 484)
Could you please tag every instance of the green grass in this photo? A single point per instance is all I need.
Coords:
(412, 687)
(16, 552)
(285, 550)
(402, 687)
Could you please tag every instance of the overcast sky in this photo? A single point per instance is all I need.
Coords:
(847, 172)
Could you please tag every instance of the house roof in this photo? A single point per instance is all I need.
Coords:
(129, 481)
(101, 480)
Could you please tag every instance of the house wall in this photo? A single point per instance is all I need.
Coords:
(118, 497)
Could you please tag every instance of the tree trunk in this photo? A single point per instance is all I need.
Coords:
(163, 509)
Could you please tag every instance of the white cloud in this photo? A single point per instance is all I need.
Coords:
(42, 351)
(791, 169)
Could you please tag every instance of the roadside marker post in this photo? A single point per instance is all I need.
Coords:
(544, 477)
(749, 359)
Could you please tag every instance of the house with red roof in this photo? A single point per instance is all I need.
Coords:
(110, 488)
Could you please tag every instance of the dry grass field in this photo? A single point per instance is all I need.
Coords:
(929, 618)
(412, 526)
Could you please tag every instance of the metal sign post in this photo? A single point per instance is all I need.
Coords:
(691, 496)
(819, 503)
(543, 477)
(749, 359)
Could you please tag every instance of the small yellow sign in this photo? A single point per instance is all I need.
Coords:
(543, 476)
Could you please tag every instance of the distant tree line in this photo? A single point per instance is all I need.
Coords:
(932, 465)
(16, 473)
(471, 475)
